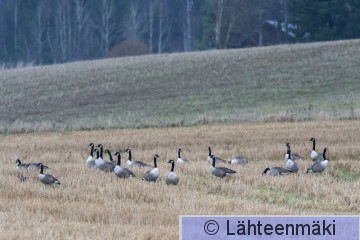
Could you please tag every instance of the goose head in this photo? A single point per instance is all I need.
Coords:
(172, 162)
(18, 162)
(118, 158)
(265, 171)
(324, 152)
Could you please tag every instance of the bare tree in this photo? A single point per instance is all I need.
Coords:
(82, 14)
(63, 34)
(50, 36)
(286, 18)
(187, 25)
(151, 24)
(232, 19)
(261, 19)
(38, 32)
(136, 25)
(164, 27)
(108, 27)
(160, 27)
(219, 13)
(16, 7)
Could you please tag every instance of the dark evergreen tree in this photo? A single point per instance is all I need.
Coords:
(322, 20)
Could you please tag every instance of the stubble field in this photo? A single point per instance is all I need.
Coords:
(94, 205)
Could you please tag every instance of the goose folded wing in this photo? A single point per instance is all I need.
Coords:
(36, 165)
(141, 164)
(129, 172)
(50, 179)
(317, 167)
(226, 170)
(108, 166)
(147, 176)
(283, 170)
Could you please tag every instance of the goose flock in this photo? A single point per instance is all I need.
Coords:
(109, 166)
(44, 178)
(320, 163)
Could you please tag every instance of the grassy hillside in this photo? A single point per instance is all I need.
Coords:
(94, 205)
(292, 82)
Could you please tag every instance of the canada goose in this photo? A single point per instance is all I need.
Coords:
(119, 171)
(315, 155)
(238, 160)
(90, 162)
(21, 166)
(36, 166)
(294, 156)
(110, 156)
(290, 164)
(46, 178)
(320, 165)
(181, 160)
(276, 171)
(135, 163)
(172, 178)
(220, 171)
(28, 166)
(217, 159)
(101, 164)
(152, 174)
(99, 154)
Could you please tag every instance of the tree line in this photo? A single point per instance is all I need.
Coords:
(40, 32)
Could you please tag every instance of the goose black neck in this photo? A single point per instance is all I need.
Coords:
(155, 165)
(129, 155)
(97, 155)
(179, 153)
(18, 162)
(209, 151)
(289, 153)
(213, 163)
(41, 169)
(119, 159)
(101, 151)
(110, 156)
(313, 144)
(92, 150)
(172, 166)
(288, 147)
(324, 152)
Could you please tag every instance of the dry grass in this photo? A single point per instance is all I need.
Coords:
(93, 205)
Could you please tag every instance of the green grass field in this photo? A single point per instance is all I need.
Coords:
(318, 81)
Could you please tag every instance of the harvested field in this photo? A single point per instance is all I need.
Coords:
(94, 205)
